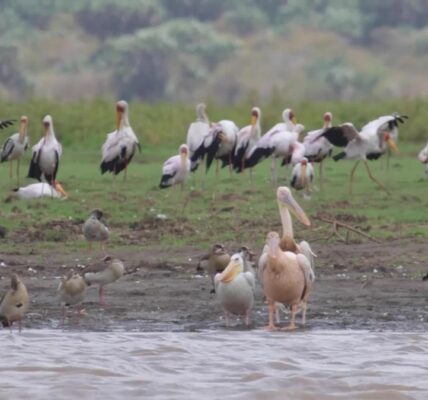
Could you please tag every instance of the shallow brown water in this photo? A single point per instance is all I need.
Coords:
(340, 364)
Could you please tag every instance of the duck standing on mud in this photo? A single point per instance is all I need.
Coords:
(71, 291)
(109, 271)
(94, 229)
(235, 289)
(15, 303)
(218, 259)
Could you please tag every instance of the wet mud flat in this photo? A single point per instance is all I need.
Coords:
(359, 286)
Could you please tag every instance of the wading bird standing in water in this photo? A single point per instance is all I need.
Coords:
(120, 145)
(176, 169)
(15, 146)
(46, 154)
(368, 144)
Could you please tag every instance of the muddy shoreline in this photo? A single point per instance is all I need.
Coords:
(359, 286)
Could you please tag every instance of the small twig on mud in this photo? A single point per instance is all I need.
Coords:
(337, 224)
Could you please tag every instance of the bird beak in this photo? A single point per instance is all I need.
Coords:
(222, 137)
(273, 246)
(46, 126)
(230, 272)
(60, 189)
(22, 126)
(118, 118)
(304, 166)
(294, 120)
(287, 200)
(253, 120)
(392, 145)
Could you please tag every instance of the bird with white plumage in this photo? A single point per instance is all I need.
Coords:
(176, 169)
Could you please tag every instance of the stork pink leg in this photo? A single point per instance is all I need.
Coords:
(381, 185)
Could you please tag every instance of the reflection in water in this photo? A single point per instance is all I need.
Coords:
(232, 365)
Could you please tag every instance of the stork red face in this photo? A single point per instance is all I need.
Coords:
(184, 150)
(304, 162)
(327, 117)
(387, 138)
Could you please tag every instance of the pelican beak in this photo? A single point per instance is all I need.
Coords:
(273, 246)
(118, 118)
(392, 145)
(61, 190)
(253, 120)
(287, 200)
(230, 272)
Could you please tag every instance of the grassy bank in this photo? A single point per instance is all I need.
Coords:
(232, 210)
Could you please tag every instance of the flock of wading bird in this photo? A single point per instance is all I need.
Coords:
(285, 268)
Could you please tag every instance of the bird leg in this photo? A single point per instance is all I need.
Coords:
(271, 326)
(304, 307)
(251, 175)
(381, 185)
(226, 318)
(352, 177)
(10, 169)
(101, 295)
(292, 325)
(63, 315)
(126, 171)
(273, 170)
(247, 317)
(17, 171)
(20, 325)
(277, 316)
(321, 177)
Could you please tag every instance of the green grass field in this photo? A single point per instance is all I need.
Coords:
(231, 211)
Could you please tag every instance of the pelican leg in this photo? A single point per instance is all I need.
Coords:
(304, 306)
(277, 316)
(271, 326)
(226, 318)
(247, 317)
(292, 325)
(19, 325)
(63, 315)
(352, 177)
(380, 184)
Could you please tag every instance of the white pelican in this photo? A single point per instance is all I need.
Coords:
(196, 134)
(15, 146)
(247, 138)
(423, 158)
(94, 229)
(46, 154)
(109, 271)
(286, 279)
(71, 291)
(218, 259)
(176, 169)
(235, 289)
(302, 176)
(317, 147)
(287, 203)
(219, 144)
(120, 145)
(7, 122)
(368, 144)
(40, 189)
(15, 303)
